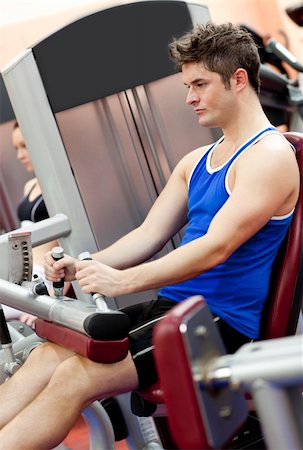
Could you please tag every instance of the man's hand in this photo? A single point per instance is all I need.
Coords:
(94, 276)
(62, 268)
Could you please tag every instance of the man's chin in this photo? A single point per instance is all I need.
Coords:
(204, 122)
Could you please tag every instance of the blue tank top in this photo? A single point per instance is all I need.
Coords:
(235, 290)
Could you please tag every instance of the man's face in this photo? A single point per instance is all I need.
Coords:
(212, 101)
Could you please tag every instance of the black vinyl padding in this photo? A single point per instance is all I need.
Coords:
(107, 326)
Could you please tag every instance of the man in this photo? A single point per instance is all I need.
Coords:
(237, 197)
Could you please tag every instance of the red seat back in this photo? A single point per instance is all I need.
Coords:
(285, 297)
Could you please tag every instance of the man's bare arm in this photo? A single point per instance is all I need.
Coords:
(166, 217)
(261, 190)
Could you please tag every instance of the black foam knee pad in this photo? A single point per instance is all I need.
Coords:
(107, 326)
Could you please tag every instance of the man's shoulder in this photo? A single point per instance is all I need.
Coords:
(273, 148)
(271, 158)
(188, 162)
(275, 141)
(195, 155)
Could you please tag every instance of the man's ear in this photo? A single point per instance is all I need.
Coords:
(240, 79)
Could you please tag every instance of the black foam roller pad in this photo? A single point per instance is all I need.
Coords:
(107, 326)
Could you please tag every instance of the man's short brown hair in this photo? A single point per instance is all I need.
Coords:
(220, 48)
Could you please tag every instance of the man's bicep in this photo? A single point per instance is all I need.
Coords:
(169, 212)
(255, 199)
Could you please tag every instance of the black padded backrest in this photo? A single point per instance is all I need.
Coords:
(110, 51)
(285, 298)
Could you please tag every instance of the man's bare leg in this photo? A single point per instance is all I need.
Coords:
(74, 385)
(30, 380)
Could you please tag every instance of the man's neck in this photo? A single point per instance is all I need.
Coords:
(249, 120)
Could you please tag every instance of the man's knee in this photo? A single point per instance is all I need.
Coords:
(47, 354)
(84, 380)
(71, 380)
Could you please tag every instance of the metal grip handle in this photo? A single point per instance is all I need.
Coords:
(98, 298)
(58, 253)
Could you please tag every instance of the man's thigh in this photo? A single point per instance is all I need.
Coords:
(91, 381)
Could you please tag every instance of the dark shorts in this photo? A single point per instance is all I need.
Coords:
(144, 316)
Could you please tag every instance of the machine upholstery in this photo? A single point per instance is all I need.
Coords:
(102, 351)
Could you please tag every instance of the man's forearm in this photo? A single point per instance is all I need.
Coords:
(179, 265)
(136, 247)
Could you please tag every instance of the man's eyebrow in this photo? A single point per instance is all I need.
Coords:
(196, 81)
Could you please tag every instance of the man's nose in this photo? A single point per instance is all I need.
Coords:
(191, 97)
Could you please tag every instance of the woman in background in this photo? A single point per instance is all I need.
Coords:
(31, 208)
